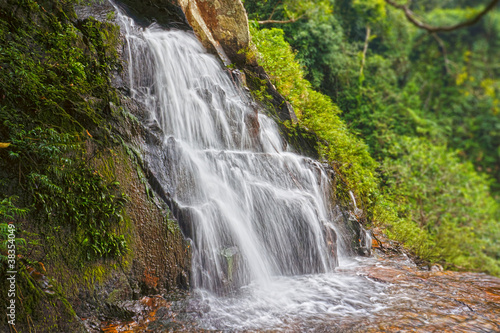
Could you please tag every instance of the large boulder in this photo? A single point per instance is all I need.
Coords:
(222, 26)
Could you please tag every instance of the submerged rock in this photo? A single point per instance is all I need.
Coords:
(331, 241)
(231, 256)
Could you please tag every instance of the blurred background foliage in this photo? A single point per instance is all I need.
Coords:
(410, 117)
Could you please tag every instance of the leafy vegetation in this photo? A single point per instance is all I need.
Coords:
(67, 193)
(55, 112)
(423, 105)
(459, 219)
(55, 91)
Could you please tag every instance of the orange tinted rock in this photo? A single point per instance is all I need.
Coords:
(222, 26)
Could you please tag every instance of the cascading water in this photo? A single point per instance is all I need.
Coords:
(257, 214)
(249, 201)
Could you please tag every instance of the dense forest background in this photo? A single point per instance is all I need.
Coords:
(410, 117)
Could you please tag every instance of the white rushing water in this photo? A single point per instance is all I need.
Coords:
(260, 217)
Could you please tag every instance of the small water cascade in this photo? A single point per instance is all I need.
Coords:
(260, 217)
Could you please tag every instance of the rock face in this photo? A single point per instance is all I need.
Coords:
(159, 258)
(221, 25)
(166, 13)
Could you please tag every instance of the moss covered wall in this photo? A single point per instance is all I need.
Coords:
(91, 233)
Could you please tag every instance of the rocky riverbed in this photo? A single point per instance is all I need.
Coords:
(387, 292)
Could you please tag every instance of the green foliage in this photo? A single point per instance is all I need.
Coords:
(55, 91)
(67, 192)
(48, 70)
(446, 201)
(55, 115)
(279, 61)
(287, 10)
(9, 212)
(372, 10)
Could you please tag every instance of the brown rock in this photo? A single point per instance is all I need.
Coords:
(222, 27)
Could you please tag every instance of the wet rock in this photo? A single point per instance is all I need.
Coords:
(331, 241)
(238, 77)
(253, 126)
(41, 278)
(231, 259)
(99, 10)
(436, 268)
(365, 242)
(162, 312)
(196, 306)
(148, 313)
(354, 235)
(166, 13)
(288, 108)
(433, 301)
(164, 326)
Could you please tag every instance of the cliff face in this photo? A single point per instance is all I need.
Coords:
(159, 258)
(159, 261)
(221, 25)
(92, 234)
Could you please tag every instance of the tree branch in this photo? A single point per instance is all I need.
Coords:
(443, 50)
(422, 25)
(281, 21)
(365, 49)
(272, 13)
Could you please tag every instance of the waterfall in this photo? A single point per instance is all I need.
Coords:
(261, 219)
(254, 209)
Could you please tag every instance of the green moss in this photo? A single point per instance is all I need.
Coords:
(38, 309)
(95, 274)
(57, 107)
(258, 88)
(172, 225)
(57, 94)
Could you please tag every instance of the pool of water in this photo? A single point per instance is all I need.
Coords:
(385, 293)
(363, 295)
